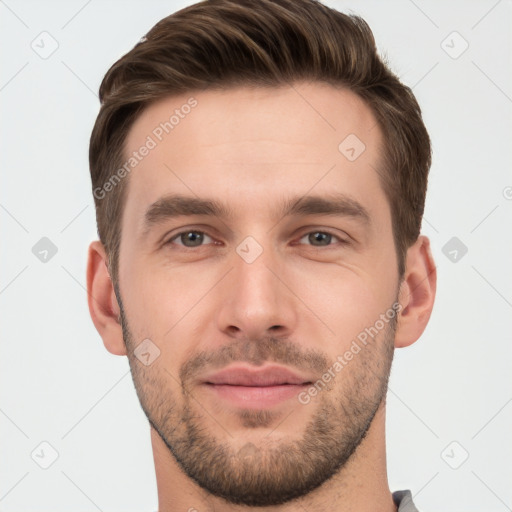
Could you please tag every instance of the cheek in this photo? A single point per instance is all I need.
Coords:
(163, 302)
(346, 299)
(168, 303)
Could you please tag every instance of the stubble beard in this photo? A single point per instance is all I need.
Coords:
(273, 471)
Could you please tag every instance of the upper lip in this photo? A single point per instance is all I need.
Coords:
(247, 376)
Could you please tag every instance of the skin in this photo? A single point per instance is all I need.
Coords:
(299, 303)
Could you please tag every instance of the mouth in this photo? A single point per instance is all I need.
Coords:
(256, 388)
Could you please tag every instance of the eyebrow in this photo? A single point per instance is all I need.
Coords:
(176, 205)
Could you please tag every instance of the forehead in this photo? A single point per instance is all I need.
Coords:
(206, 117)
(254, 142)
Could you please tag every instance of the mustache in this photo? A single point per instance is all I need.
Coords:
(256, 352)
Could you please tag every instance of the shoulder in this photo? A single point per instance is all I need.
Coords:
(403, 499)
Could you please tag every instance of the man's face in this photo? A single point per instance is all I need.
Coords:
(263, 284)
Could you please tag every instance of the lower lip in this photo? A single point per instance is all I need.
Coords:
(256, 396)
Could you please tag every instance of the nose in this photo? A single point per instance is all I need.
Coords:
(257, 300)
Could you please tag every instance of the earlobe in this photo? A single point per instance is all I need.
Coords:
(102, 301)
(417, 293)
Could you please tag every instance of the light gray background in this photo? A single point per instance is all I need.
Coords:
(59, 384)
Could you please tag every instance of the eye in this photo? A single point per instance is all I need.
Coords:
(190, 239)
(321, 238)
(194, 238)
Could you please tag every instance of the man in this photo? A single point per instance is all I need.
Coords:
(259, 178)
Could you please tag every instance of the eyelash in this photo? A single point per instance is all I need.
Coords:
(184, 247)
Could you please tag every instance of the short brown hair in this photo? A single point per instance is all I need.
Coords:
(228, 43)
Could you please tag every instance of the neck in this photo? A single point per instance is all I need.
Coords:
(361, 485)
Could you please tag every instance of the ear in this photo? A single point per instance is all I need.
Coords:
(103, 305)
(417, 293)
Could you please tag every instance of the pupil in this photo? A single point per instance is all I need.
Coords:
(192, 236)
(321, 237)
